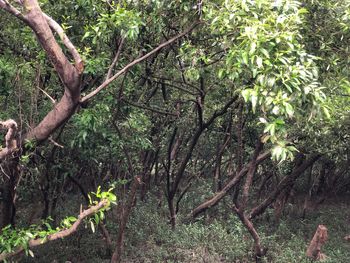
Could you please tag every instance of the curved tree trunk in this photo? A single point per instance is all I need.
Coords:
(215, 199)
(301, 166)
(10, 176)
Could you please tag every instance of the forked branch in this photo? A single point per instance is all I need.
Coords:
(79, 65)
(135, 62)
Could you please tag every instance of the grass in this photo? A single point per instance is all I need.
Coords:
(222, 239)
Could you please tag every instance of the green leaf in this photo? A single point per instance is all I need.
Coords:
(254, 99)
(276, 152)
(252, 48)
(246, 94)
(326, 112)
(289, 109)
(245, 58)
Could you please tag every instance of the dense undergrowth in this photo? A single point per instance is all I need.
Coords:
(216, 237)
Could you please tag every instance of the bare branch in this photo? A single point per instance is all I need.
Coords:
(4, 4)
(59, 235)
(136, 61)
(116, 58)
(10, 140)
(79, 65)
(47, 95)
(153, 109)
(171, 85)
(55, 143)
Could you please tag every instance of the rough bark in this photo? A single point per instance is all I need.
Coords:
(10, 138)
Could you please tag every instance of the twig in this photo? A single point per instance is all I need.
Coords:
(55, 143)
(47, 95)
(4, 4)
(3, 171)
(149, 108)
(116, 58)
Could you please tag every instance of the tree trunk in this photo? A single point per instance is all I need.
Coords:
(219, 195)
(285, 182)
(319, 239)
(172, 212)
(259, 251)
(116, 257)
(7, 205)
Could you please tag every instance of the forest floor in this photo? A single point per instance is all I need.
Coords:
(223, 239)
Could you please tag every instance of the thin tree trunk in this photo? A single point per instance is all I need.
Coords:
(285, 182)
(219, 154)
(214, 200)
(259, 251)
(199, 131)
(7, 205)
(240, 209)
(116, 257)
(172, 212)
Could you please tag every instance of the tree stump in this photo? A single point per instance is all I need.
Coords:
(319, 239)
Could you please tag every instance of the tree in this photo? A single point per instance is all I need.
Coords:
(45, 29)
(205, 109)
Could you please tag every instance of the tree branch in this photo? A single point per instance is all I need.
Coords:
(133, 63)
(287, 180)
(5, 5)
(212, 201)
(59, 235)
(116, 58)
(79, 65)
(153, 109)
